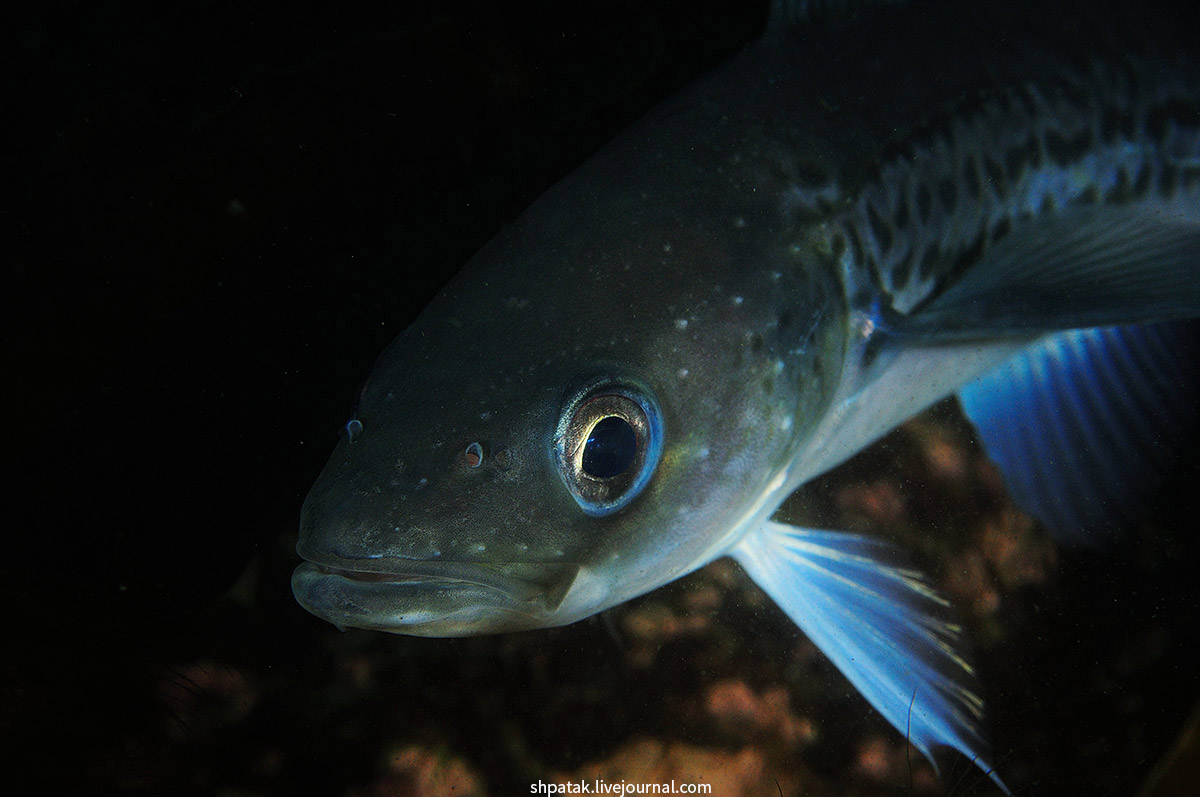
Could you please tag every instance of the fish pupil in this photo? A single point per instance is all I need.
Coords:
(610, 449)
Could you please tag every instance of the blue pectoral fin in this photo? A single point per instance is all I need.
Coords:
(1084, 424)
(883, 626)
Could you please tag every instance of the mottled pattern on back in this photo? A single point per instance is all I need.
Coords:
(944, 195)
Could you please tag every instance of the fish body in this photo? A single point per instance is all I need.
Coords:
(868, 210)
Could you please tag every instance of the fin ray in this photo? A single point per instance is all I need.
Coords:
(1084, 423)
(1077, 268)
(881, 623)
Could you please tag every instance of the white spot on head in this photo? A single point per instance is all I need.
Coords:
(739, 222)
(737, 301)
(703, 452)
(480, 548)
(786, 423)
(683, 372)
(779, 366)
(681, 323)
(667, 247)
(486, 415)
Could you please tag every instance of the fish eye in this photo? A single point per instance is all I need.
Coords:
(607, 445)
(610, 448)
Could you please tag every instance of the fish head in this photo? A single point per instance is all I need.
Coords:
(596, 405)
(439, 515)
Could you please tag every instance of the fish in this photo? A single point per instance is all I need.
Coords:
(876, 206)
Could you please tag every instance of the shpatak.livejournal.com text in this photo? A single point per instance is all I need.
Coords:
(619, 787)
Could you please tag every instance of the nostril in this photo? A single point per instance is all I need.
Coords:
(473, 455)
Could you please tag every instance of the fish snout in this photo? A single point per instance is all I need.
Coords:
(434, 599)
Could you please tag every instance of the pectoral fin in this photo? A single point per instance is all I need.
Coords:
(883, 626)
(1081, 267)
(1085, 423)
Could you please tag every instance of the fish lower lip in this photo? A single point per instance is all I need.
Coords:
(434, 598)
(366, 575)
(414, 572)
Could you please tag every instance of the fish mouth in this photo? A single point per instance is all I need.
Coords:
(432, 598)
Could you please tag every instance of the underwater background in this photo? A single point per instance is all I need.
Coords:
(221, 213)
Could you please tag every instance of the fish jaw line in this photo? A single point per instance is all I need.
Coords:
(432, 598)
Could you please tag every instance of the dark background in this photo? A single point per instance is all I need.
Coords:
(219, 214)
